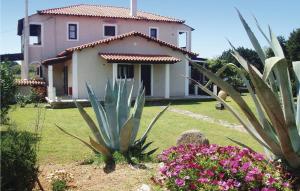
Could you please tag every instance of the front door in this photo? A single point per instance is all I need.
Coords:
(146, 78)
(66, 80)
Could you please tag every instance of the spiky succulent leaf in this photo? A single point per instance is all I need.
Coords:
(100, 115)
(125, 135)
(122, 104)
(253, 39)
(95, 130)
(110, 104)
(244, 122)
(101, 148)
(78, 138)
(151, 152)
(243, 105)
(274, 111)
(137, 113)
(239, 143)
(296, 68)
(154, 120)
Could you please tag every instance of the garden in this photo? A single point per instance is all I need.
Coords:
(254, 144)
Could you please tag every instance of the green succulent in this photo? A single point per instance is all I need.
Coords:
(277, 123)
(118, 124)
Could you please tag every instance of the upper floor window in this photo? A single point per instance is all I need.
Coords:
(125, 71)
(110, 30)
(153, 32)
(182, 39)
(35, 37)
(72, 31)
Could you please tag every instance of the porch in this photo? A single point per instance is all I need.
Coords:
(68, 101)
(159, 74)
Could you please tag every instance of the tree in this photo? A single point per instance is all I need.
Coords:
(230, 74)
(293, 45)
(250, 55)
(8, 90)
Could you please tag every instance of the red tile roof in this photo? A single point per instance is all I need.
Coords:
(56, 60)
(30, 83)
(113, 57)
(120, 37)
(106, 12)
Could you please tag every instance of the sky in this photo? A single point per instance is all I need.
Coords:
(213, 20)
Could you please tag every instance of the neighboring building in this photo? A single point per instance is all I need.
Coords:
(91, 43)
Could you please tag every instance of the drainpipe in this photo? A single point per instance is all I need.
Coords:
(133, 8)
(24, 68)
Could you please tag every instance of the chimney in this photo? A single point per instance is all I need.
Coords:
(133, 8)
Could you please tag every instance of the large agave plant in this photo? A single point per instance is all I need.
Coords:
(276, 126)
(118, 124)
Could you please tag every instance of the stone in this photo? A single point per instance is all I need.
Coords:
(220, 106)
(222, 94)
(192, 137)
(144, 187)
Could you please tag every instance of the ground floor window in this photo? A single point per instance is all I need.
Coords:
(125, 71)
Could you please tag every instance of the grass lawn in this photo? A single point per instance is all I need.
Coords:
(208, 108)
(56, 147)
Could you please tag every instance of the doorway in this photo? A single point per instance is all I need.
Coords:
(146, 78)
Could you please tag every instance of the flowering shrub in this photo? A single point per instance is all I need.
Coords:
(60, 175)
(212, 167)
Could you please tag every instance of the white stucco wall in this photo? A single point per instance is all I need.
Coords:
(54, 32)
(93, 69)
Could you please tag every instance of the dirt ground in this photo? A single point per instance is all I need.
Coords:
(92, 177)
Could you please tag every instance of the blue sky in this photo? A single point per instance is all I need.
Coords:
(214, 20)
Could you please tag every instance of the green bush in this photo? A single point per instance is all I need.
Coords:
(59, 185)
(7, 90)
(19, 169)
(23, 100)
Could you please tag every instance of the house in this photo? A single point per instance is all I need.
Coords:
(91, 43)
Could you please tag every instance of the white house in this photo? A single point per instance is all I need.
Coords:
(92, 43)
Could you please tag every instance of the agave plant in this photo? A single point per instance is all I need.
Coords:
(118, 124)
(276, 126)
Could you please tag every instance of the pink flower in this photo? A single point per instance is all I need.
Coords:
(246, 165)
(203, 180)
(180, 182)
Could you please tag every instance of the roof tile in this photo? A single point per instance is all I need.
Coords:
(119, 37)
(106, 12)
(113, 57)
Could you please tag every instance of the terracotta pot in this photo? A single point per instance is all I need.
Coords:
(222, 94)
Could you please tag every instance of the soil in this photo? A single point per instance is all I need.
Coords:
(93, 178)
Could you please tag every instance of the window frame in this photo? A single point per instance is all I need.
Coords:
(77, 31)
(157, 32)
(125, 64)
(187, 38)
(42, 34)
(110, 25)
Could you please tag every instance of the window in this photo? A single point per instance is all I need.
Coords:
(110, 30)
(154, 32)
(39, 71)
(72, 31)
(125, 71)
(35, 37)
(182, 39)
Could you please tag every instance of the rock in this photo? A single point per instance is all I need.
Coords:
(222, 94)
(192, 137)
(220, 106)
(144, 187)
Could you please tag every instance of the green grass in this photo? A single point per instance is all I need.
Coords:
(60, 148)
(208, 108)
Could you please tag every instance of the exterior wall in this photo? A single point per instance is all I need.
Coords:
(96, 71)
(54, 32)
